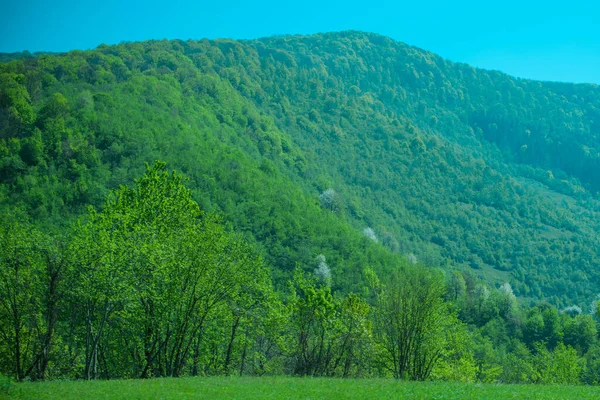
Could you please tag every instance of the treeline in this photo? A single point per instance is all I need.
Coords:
(151, 285)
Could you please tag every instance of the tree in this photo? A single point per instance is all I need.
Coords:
(16, 113)
(457, 287)
(580, 332)
(457, 362)
(20, 288)
(411, 323)
(355, 343)
(591, 374)
(330, 200)
(486, 359)
(152, 268)
(542, 325)
(313, 315)
(31, 287)
(561, 366)
(518, 365)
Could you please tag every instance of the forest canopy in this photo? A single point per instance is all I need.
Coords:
(309, 170)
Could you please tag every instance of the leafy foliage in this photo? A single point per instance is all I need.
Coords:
(317, 177)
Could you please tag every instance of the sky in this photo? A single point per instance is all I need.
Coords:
(544, 40)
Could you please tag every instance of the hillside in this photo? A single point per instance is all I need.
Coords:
(439, 162)
(338, 205)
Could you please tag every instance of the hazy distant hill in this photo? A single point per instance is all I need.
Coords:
(6, 57)
(447, 164)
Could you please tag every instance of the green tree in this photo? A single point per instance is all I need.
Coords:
(30, 291)
(518, 365)
(152, 269)
(580, 332)
(16, 111)
(561, 366)
(411, 323)
(314, 317)
(457, 362)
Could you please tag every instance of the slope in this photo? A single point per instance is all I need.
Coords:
(455, 166)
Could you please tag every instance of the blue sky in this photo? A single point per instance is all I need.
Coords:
(546, 40)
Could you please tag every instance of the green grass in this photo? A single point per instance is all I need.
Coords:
(289, 388)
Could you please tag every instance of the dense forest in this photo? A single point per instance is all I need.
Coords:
(343, 205)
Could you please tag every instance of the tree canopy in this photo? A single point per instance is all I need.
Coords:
(309, 168)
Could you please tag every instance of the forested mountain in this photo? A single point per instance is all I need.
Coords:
(464, 168)
(322, 164)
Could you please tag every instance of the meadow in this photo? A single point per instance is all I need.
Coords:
(289, 388)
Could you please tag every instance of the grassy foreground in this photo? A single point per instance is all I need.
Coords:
(289, 388)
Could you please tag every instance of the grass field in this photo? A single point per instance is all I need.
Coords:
(288, 388)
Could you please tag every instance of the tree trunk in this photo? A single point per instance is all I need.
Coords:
(243, 362)
(230, 345)
(51, 316)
